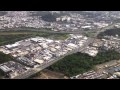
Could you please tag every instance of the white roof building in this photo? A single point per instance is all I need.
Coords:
(5, 68)
(14, 45)
(71, 45)
(39, 61)
(46, 58)
(57, 47)
(53, 49)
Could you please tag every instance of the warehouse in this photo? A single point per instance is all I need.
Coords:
(39, 61)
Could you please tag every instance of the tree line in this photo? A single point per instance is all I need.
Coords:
(79, 62)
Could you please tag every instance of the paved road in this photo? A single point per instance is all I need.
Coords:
(36, 70)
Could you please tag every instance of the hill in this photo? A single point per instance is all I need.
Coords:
(110, 32)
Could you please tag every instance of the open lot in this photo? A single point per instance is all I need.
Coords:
(47, 74)
(13, 36)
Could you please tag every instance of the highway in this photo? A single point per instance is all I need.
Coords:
(38, 69)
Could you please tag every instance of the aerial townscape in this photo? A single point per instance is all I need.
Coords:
(59, 44)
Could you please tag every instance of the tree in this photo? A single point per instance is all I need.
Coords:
(79, 62)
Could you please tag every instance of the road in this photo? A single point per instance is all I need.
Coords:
(38, 69)
(50, 31)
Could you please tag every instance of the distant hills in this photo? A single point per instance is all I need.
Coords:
(54, 14)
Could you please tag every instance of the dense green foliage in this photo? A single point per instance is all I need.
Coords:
(5, 58)
(11, 37)
(8, 39)
(56, 36)
(110, 32)
(1, 74)
(79, 63)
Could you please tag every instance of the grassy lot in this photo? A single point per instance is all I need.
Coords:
(8, 39)
(90, 34)
(5, 58)
(11, 37)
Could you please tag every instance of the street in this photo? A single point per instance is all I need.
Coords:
(80, 49)
(36, 70)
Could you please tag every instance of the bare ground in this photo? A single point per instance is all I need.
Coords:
(47, 74)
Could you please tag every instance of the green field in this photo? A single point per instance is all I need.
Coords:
(11, 37)
(79, 63)
(90, 34)
(5, 58)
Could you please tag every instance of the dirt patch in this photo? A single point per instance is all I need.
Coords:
(47, 74)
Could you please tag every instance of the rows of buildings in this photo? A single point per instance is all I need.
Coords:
(106, 43)
(68, 22)
(89, 75)
(93, 48)
(11, 69)
(111, 42)
(78, 21)
(38, 51)
(108, 71)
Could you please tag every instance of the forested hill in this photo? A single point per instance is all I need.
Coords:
(110, 32)
(79, 62)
